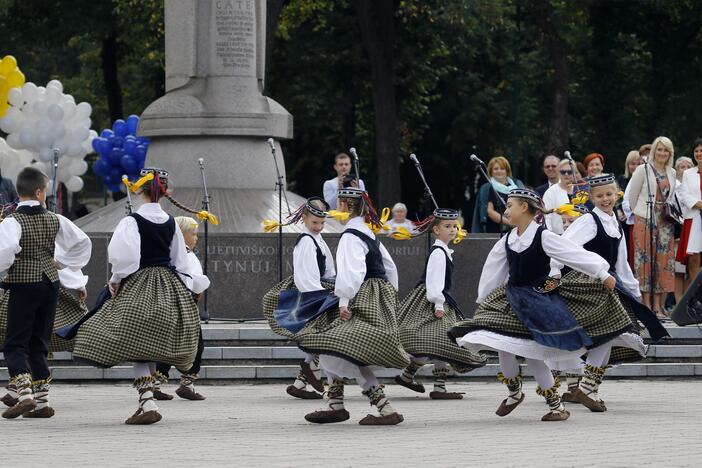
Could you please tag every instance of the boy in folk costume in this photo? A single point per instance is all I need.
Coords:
(362, 332)
(197, 283)
(151, 316)
(599, 231)
(28, 240)
(69, 309)
(429, 311)
(298, 299)
(525, 312)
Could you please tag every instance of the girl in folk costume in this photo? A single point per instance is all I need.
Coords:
(298, 299)
(532, 316)
(362, 332)
(197, 283)
(69, 309)
(151, 316)
(600, 232)
(428, 312)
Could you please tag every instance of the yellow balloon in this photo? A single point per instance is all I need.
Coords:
(7, 64)
(15, 79)
(10, 77)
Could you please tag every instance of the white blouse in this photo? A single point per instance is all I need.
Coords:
(584, 229)
(124, 250)
(496, 269)
(689, 192)
(197, 282)
(393, 225)
(305, 268)
(72, 279)
(436, 275)
(554, 197)
(73, 246)
(351, 258)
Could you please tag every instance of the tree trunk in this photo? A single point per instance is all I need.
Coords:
(111, 78)
(273, 9)
(376, 19)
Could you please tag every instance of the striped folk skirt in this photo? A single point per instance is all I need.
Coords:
(153, 318)
(424, 335)
(369, 338)
(69, 309)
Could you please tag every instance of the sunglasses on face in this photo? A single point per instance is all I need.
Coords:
(566, 172)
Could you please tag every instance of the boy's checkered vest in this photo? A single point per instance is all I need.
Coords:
(39, 230)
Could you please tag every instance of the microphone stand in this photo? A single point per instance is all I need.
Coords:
(205, 315)
(651, 223)
(279, 185)
(428, 195)
(483, 170)
(355, 166)
(54, 188)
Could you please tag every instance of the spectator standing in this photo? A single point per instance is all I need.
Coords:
(550, 167)
(342, 166)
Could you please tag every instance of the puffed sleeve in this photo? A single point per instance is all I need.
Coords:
(582, 231)
(330, 270)
(124, 249)
(72, 278)
(331, 192)
(10, 235)
(390, 268)
(75, 245)
(624, 272)
(200, 282)
(568, 253)
(351, 260)
(495, 270)
(179, 256)
(305, 268)
(685, 194)
(436, 277)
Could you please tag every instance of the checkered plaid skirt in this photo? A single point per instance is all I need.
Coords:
(619, 354)
(69, 309)
(270, 303)
(153, 318)
(424, 335)
(597, 310)
(369, 338)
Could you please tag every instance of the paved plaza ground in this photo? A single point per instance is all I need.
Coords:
(649, 423)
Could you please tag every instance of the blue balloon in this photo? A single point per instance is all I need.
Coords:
(96, 144)
(143, 140)
(141, 152)
(130, 146)
(132, 124)
(129, 164)
(107, 133)
(100, 167)
(120, 127)
(117, 142)
(113, 187)
(104, 147)
(116, 156)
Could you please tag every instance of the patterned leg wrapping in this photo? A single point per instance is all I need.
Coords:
(187, 388)
(515, 396)
(439, 393)
(553, 399)
(406, 379)
(299, 388)
(387, 414)
(159, 379)
(573, 381)
(334, 411)
(587, 391)
(25, 400)
(41, 396)
(10, 398)
(147, 413)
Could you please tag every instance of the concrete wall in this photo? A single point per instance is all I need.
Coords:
(242, 267)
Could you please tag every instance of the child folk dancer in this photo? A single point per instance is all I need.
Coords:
(429, 311)
(298, 299)
(151, 316)
(534, 317)
(197, 283)
(362, 332)
(28, 241)
(69, 309)
(599, 231)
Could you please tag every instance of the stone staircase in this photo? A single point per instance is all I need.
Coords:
(251, 352)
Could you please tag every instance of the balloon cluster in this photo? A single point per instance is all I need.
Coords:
(12, 161)
(10, 77)
(121, 153)
(44, 120)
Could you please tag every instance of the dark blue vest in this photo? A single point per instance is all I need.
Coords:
(447, 279)
(155, 241)
(603, 244)
(321, 258)
(374, 259)
(530, 267)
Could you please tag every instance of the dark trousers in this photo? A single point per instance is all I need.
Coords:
(195, 369)
(30, 321)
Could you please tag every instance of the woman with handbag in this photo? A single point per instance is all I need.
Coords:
(654, 268)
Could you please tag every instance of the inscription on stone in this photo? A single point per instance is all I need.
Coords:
(234, 37)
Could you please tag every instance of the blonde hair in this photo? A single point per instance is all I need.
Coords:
(186, 223)
(629, 159)
(502, 162)
(665, 141)
(356, 206)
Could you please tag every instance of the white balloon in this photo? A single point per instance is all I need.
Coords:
(58, 131)
(55, 112)
(13, 141)
(74, 184)
(46, 155)
(27, 137)
(74, 150)
(69, 109)
(14, 97)
(81, 133)
(29, 92)
(55, 84)
(83, 111)
(79, 167)
(41, 166)
(40, 108)
(53, 95)
(12, 122)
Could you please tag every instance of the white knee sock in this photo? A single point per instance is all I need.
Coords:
(541, 373)
(508, 364)
(599, 356)
(366, 378)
